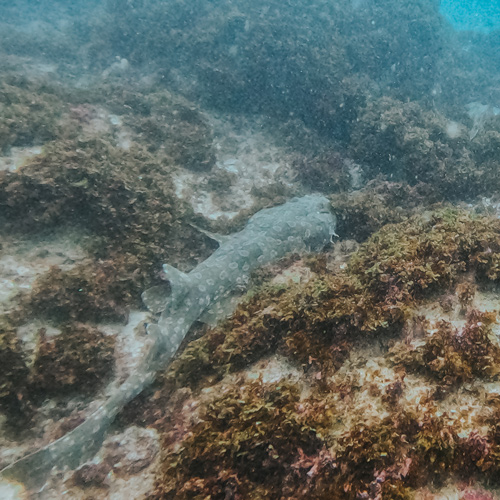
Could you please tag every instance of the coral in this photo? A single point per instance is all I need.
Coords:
(90, 182)
(79, 359)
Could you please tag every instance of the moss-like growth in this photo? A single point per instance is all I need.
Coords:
(316, 323)
(79, 359)
(313, 323)
(125, 198)
(427, 253)
(263, 441)
(363, 212)
(404, 141)
(30, 113)
(452, 355)
(89, 292)
(182, 133)
(14, 375)
(90, 182)
(244, 441)
(465, 293)
(326, 172)
(317, 62)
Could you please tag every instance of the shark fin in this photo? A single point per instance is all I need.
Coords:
(219, 238)
(180, 282)
(156, 298)
(175, 277)
(224, 308)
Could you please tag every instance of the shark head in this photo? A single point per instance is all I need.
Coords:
(313, 213)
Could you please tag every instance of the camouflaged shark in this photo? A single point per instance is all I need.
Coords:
(301, 224)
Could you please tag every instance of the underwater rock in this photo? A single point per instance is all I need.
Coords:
(30, 113)
(80, 358)
(131, 451)
(91, 475)
(14, 375)
(480, 113)
(301, 223)
(123, 454)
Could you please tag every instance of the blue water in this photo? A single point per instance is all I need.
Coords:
(472, 15)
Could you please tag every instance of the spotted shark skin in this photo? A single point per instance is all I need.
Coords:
(301, 224)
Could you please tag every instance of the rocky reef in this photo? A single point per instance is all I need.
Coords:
(307, 435)
(368, 371)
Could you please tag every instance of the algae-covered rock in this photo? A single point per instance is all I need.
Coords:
(125, 199)
(452, 356)
(13, 375)
(30, 113)
(92, 291)
(404, 141)
(244, 438)
(363, 212)
(318, 61)
(79, 359)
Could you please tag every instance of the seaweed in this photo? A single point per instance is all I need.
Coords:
(363, 212)
(242, 443)
(79, 359)
(406, 142)
(14, 379)
(30, 113)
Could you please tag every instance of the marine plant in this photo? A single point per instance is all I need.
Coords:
(406, 142)
(363, 212)
(79, 359)
(325, 172)
(88, 292)
(125, 199)
(428, 253)
(313, 323)
(14, 376)
(30, 113)
(243, 443)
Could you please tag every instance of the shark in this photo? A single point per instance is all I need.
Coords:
(207, 294)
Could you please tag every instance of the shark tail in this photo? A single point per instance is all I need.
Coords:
(84, 441)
